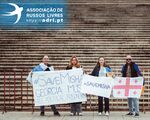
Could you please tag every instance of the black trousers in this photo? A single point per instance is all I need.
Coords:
(76, 107)
(100, 104)
(53, 108)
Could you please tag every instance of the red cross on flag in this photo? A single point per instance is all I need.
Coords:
(125, 87)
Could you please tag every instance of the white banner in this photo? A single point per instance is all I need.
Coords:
(100, 86)
(57, 87)
(127, 87)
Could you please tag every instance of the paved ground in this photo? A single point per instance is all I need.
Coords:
(65, 116)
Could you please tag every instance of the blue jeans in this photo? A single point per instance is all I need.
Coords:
(133, 105)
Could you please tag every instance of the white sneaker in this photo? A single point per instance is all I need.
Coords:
(100, 113)
(107, 113)
(71, 114)
(80, 114)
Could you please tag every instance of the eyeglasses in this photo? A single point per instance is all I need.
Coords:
(128, 59)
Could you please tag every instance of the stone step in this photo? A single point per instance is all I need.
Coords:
(68, 56)
(85, 60)
(65, 63)
(76, 44)
(59, 41)
(109, 1)
(111, 28)
(76, 33)
(81, 58)
(88, 69)
(83, 52)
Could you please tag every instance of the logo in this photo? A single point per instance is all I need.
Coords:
(32, 14)
(18, 10)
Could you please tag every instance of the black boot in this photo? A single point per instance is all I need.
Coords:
(130, 113)
(42, 114)
(56, 114)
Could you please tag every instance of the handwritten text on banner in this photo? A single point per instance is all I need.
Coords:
(100, 86)
(57, 87)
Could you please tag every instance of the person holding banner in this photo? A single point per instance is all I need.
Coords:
(102, 70)
(76, 108)
(131, 69)
(44, 66)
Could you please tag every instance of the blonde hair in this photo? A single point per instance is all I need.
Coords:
(77, 64)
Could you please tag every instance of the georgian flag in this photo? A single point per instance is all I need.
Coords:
(125, 87)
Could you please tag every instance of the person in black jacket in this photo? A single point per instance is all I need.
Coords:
(131, 69)
(76, 108)
(101, 70)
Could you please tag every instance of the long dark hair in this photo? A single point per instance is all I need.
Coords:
(98, 64)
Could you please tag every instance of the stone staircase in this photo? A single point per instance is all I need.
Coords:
(109, 28)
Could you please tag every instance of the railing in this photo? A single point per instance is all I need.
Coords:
(17, 93)
(15, 90)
